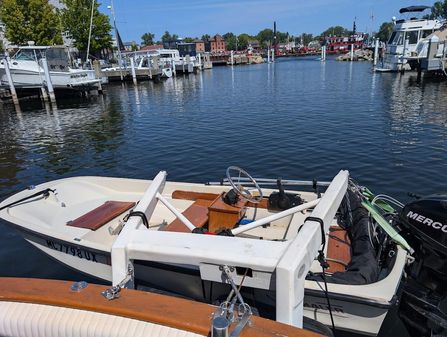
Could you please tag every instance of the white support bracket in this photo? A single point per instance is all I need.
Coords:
(120, 260)
(294, 265)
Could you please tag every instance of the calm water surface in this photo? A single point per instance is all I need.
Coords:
(298, 118)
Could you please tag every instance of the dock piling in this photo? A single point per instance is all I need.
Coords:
(132, 67)
(268, 55)
(376, 51)
(12, 89)
(352, 52)
(232, 58)
(49, 84)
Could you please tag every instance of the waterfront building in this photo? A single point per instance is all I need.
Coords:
(131, 46)
(187, 49)
(151, 47)
(217, 44)
(200, 46)
(342, 44)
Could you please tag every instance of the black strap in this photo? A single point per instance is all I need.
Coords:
(323, 263)
(139, 214)
(320, 221)
(45, 193)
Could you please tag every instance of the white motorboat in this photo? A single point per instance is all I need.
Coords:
(405, 37)
(162, 235)
(27, 70)
(151, 60)
(35, 307)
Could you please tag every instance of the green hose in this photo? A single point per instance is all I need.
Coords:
(386, 226)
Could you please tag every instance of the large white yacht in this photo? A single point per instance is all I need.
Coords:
(406, 35)
(27, 69)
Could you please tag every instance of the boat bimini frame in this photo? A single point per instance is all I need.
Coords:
(279, 264)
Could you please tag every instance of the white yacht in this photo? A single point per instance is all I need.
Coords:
(405, 37)
(27, 69)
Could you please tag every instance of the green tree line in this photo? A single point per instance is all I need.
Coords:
(41, 22)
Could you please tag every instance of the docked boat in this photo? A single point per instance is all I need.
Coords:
(35, 307)
(315, 251)
(405, 37)
(151, 60)
(27, 70)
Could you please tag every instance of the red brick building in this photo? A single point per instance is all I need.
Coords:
(200, 46)
(217, 44)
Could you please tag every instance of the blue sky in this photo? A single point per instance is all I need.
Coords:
(197, 17)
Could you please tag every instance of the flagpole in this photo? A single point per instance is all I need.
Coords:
(116, 38)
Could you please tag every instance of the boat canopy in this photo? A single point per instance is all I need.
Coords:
(411, 9)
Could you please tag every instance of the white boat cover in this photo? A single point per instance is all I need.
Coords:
(37, 320)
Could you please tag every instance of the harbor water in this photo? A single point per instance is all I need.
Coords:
(298, 118)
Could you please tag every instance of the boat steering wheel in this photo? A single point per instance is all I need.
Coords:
(237, 177)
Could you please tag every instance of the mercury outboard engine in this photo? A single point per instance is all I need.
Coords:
(424, 299)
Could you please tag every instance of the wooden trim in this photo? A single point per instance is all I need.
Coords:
(191, 195)
(101, 215)
(144, 306)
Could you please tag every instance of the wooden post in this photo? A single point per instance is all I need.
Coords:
(352, 52)
(232, 58)
(12, 89)
(273, 55)
(48, 80)
(98, 73)
(44, 94)
(268, 54)
(173, 67)
(132, 67)
(376, 52)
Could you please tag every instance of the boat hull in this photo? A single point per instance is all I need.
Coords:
(358, 315)
(60, 80)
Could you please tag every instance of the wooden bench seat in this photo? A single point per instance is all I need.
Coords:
(197, 213)
(101, 215)
(339, 250)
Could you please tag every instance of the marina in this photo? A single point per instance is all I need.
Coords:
(234, 184)
(130, 105)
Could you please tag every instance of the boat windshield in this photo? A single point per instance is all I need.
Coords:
(29, 54)
(397, 39)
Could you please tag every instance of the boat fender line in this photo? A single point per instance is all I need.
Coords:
(139, 214)
(324, 265)
(45, 194)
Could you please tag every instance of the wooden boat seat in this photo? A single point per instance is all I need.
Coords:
(101, 215)
(197, 213)
(191, 195)
(339, 250)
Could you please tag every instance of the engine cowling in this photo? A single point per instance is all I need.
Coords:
(426, 219)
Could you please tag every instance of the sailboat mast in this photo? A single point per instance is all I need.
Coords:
(90, 31)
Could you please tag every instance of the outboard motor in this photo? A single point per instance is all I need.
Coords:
(424, 298)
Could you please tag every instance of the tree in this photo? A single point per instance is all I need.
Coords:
(147, 39)
(189, 39)
(439, 10)
(265, 37)
(230, 41)
(30, 20)
(206, 37)
(304, 39)
(76, 22)
(242, 41)
(166, 37)
(385, 31)
(336, 30)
